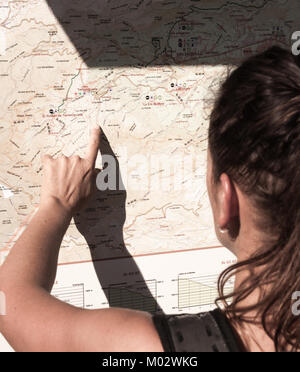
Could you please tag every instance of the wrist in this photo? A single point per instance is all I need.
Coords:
(52, 206)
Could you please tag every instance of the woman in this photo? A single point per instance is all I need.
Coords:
(253, 182)
(254, 142)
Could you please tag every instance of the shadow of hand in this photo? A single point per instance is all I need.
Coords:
(101, 223)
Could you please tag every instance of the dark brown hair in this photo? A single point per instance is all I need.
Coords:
(254, 137)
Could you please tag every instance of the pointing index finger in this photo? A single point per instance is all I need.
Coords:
(94, 145)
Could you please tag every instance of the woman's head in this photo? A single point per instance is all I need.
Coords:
(254, 181)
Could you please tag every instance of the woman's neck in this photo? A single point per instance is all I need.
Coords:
(253, 335)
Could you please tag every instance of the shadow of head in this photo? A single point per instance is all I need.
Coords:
(101, 223)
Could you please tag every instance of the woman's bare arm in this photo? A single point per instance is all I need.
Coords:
(35, 320)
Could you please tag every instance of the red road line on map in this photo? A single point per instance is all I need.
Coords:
(139, 255)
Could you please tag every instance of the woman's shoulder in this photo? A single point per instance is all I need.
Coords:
(203, 332)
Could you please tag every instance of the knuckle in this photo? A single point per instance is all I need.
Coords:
(89, 166)
(47, 159)
(75, 159)
(63, 159)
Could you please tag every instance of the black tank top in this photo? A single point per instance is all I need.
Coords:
(206, 332)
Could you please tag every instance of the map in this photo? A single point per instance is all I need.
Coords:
(147, 72)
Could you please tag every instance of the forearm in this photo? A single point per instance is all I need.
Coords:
(33, 259)
(28, 274)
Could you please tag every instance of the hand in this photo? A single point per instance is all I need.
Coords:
(69, 182)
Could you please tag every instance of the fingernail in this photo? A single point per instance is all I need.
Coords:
(94, 128)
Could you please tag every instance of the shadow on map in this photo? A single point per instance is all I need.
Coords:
(101, 224)
(139, 33)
